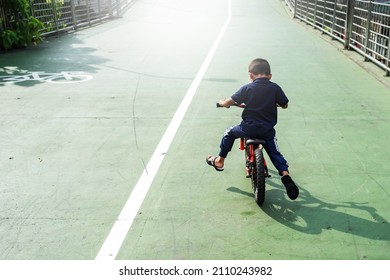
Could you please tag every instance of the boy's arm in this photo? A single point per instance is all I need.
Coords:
(226, 102)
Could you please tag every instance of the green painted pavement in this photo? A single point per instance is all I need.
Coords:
(71, 153)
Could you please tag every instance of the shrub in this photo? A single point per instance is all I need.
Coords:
(21, 29)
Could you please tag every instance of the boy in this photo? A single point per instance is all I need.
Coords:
(259, 117)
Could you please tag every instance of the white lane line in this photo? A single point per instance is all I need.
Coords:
(123, 223)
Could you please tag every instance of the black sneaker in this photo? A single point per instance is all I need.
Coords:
(291, 188)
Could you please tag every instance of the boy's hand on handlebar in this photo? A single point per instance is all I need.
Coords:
(222, 103)
(226, 102)
(219, 105)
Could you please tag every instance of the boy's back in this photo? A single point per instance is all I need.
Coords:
(261, 98)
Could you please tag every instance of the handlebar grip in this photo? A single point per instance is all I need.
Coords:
(242, 105)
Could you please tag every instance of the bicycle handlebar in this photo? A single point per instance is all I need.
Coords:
(242, 105)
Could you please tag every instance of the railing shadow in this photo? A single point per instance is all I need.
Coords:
(62, 55)
(312, 215)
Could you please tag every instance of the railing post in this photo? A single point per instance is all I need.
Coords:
(88, 7)
(72, 8)
(31, 10)
(110, 8)
(295, 9)
(118, 7)
(368, 29)
(323, 18)
(349, 22)
(99, 9)
(334, 15)
(54, 7)
(307, 10)
(388, 58)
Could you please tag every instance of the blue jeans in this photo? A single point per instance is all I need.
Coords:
(242, 131)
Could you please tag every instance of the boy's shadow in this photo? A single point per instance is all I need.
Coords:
(311, 215)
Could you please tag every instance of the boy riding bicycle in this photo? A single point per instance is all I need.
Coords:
(259, 117)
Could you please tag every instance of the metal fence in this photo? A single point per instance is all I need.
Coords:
(363, 26)
(62, 15)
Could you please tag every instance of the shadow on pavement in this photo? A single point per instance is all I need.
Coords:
(312, 216)
(63, 54)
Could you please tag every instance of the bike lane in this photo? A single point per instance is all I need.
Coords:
(333, 134)
(72, 152)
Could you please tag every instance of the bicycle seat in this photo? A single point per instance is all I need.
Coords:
(254, 141)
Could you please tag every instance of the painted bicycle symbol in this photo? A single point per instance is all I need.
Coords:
(57, 78)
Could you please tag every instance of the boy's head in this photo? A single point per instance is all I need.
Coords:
(259, 67)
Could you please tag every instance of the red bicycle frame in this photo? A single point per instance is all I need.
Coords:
(251, 157)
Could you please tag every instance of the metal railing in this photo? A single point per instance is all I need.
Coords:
(363, 26)
(63, 15)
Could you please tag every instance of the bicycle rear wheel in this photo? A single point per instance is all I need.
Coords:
(258, 177)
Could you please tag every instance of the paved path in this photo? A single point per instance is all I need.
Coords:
(72, 153)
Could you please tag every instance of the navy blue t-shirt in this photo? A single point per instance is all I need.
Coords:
(261, 98)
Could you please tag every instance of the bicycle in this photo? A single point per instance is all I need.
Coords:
(255, 164)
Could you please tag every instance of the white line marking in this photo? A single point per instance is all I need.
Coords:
(123, 223)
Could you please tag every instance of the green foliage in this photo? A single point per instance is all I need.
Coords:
(22, 29)
(21, 6)
(28, 30)
(8, 39)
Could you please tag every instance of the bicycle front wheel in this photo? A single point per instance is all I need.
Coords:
(258, 177)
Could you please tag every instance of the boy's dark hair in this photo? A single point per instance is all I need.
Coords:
(260, 66)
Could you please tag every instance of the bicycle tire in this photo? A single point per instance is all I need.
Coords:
(258, 177)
